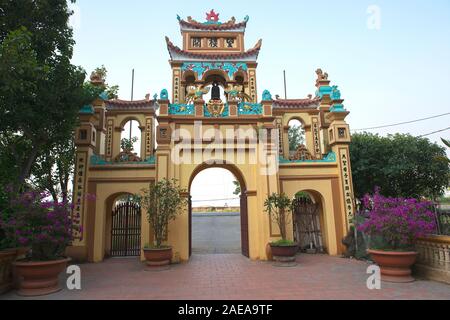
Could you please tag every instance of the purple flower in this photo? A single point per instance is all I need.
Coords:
(397, 221)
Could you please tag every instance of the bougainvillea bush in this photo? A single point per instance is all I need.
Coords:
(396, 223)
(44, 226)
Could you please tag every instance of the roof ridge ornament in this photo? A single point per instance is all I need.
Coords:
(212, 16)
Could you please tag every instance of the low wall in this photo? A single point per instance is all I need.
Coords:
(434, 258)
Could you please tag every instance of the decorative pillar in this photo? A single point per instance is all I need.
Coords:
(82, 248)
(267, 103)
(339, 138)
(324, 92)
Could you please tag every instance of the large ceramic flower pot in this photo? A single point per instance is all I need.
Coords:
(6, 259)
(158, 257)
(39, 278)
(21, 255)
(284, 253)
(395, 266)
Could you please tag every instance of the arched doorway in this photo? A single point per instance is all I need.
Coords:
(125, 228)
(308, 222)
(240, 199)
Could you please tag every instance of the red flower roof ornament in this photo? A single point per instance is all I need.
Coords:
(212, 16)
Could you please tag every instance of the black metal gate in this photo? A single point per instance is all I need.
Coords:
(307, 228)
(126, 230)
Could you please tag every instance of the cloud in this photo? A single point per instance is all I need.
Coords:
(75, 18)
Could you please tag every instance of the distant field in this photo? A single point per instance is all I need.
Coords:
(215, 209)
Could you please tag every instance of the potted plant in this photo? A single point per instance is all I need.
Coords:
(279, 206)
(394, 225)
(163, 202)
(9, 249)
(8, 254)
(46, 227)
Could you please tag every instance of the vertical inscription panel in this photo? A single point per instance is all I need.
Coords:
(148, 138)
(109, 138)
(316, 138)
(280, 136)
(79, 193)
(347, 185)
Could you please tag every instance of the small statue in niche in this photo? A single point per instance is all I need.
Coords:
(215, 92)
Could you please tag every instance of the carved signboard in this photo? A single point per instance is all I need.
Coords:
(109, 138)
(148, 137)
(79, 194)
(347, 185)
(316, 138)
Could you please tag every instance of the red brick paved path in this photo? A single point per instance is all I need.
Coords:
(235, 277)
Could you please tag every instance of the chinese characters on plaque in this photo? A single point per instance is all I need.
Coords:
(347, 186)
(316, 138)
(148, 137)
(79, 192)
(109, 138)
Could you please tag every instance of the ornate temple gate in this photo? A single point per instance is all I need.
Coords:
(307, 226)
(126, 230)
(213, 56)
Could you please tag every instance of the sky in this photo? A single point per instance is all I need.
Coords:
(390, 59)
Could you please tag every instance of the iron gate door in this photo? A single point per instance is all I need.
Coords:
(307, 228)
(126, 230)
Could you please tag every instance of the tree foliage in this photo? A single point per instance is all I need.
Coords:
(128, 144)
(40, 90)
(111, 91)
(401, 165)
(278, 206)
(163, 202)
(53, 169)
(296, 135)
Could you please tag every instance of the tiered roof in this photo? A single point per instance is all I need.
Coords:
(296, 103)
(178, 54)
(118, 104)
(213, 24)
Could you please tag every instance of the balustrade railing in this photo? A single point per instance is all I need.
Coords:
(434, 257)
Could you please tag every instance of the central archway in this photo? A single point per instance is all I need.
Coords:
(243, 203)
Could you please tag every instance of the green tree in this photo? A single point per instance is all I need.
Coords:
(401, 165)
(40, 90)
(279, 207)
(111, 91)
(296, 135)
(128, 144)
(163, 202)
(53, 169)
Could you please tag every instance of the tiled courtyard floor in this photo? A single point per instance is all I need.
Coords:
(235, 277)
